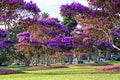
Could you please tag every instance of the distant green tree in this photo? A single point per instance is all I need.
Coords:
(44, 15)
(69, 23)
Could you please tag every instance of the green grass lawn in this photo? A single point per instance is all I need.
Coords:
(72, 73)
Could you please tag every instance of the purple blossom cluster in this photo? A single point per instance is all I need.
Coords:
(48, 23)
(111, 6)
(53, 22)
(24, 40)
(17, 5)
(61, 43)
(4, 42)
(116, 33)
(35, 42)
(13, 2)
(21, 44)
(3, 33)
(77, 8)
(105, 45)
(32, 6)
(73, 8)
(1, 18)
(23, 36)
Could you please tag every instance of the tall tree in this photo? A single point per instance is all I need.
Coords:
(69, 23)
(39, 31)
(99, 23)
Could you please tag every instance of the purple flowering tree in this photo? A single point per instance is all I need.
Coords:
(14, 11)
(83, 43)
(99, 22)
(62, 46)
(27, 47)
(42, 31)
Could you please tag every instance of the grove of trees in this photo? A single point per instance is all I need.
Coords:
(31, 36)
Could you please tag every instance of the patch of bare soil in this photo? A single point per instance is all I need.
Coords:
(45, 67)
(109, 68)
(91, 64)
(7, 71)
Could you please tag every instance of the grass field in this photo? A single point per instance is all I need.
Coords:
(72, 73)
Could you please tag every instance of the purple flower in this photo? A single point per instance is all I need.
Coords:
(21, 44)
(24, 38)
(61, 43)
(1, 18)
(32, 6)
(105, 45)
(116, 33)
(3, 33)
(35, 42)
(23, 34)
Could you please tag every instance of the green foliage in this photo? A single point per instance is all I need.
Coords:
(69, 23)
(44, 15)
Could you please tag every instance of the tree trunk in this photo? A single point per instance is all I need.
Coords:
(47, 63)
(70, 60)
(27, 63)
(108, 55)
(88, 58)
(62, 61)
(76, 61)
(96, 57)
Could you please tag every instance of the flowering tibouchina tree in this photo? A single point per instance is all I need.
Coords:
(27, 47)
(98, 22)
(83, 43)
(13, 11)
(62, 45)
(42, 31)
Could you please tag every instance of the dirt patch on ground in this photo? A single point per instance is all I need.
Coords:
(109, 68)
(92, 64)
(61, 66)
(45, 67)
(7, 71)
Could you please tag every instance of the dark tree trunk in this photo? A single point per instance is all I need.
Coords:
(108, 55)
(70, 60)
(27, 62)
(97, 57)
(0, 64)
(47, 63)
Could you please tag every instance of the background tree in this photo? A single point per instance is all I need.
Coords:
(44, 15)
(69, 23)
(12, 12)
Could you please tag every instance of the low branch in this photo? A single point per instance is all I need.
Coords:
(116, 47)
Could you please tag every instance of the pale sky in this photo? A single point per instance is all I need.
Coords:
(53, 6)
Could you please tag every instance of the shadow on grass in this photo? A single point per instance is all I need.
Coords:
(72, 73)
